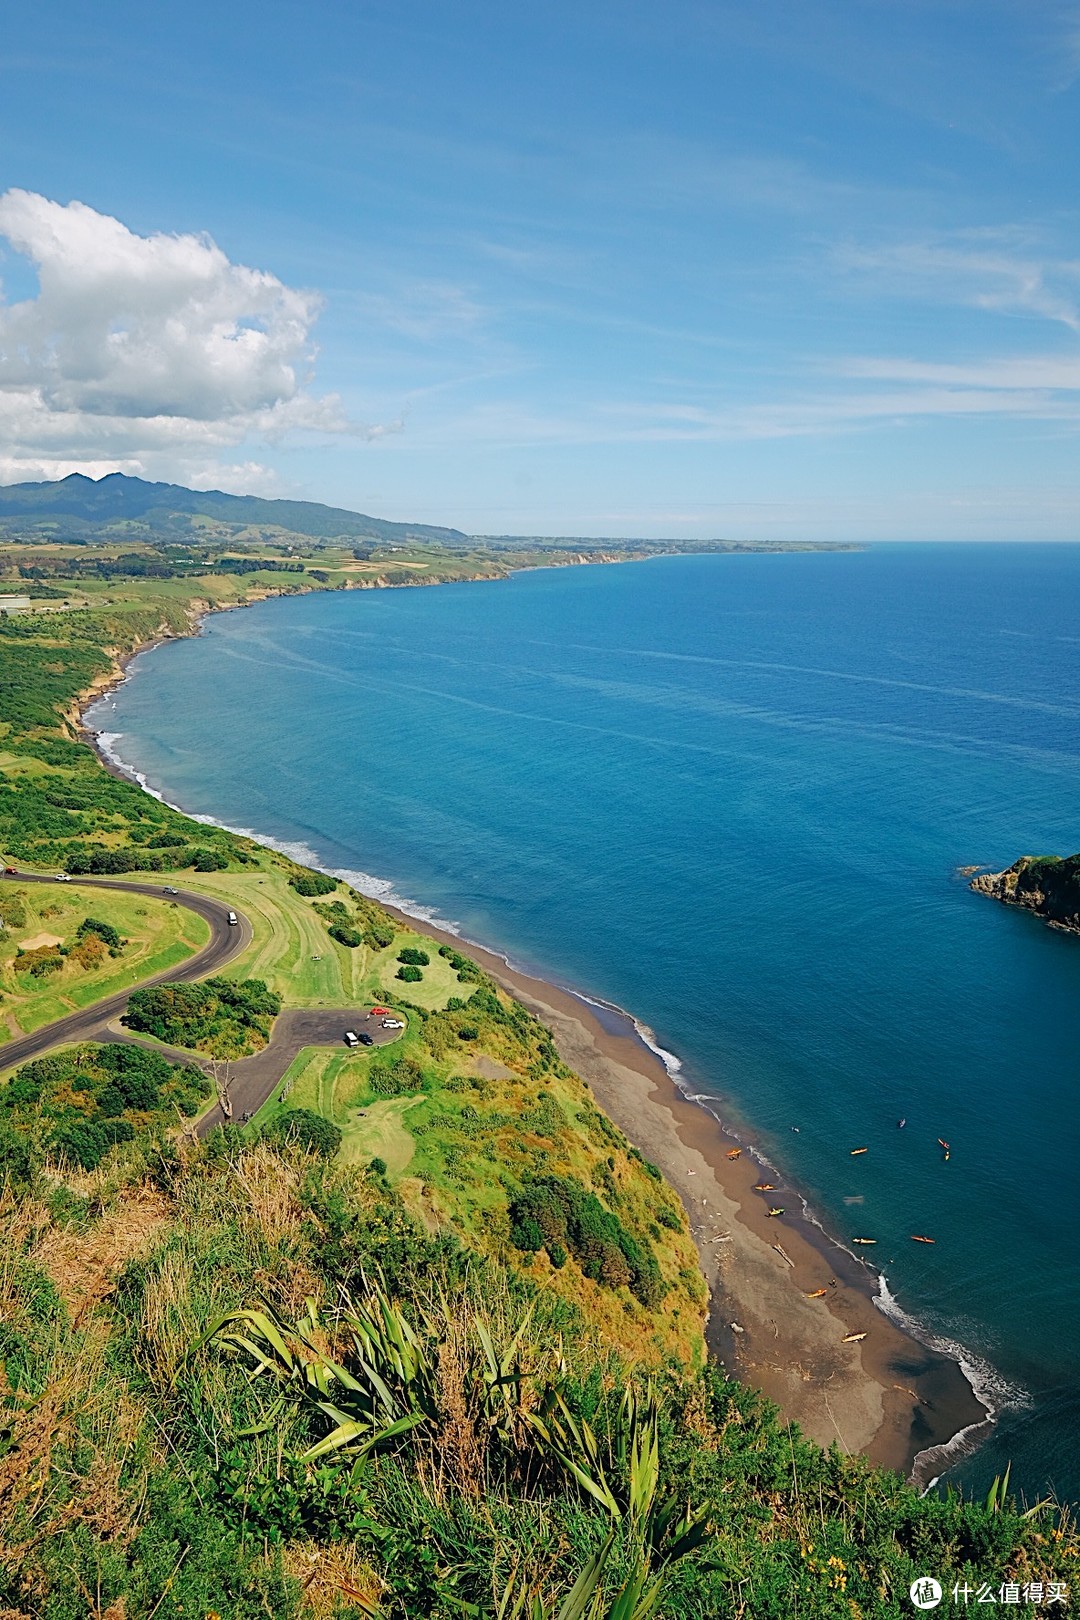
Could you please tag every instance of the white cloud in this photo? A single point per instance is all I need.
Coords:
(145, 352)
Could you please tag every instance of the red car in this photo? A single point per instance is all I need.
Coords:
(379, 1012)
(11, 871)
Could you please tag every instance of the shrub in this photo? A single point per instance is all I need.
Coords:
(402, 1078)
(380, 935)
(209, 860)
(410, 974)
(377, 1166)
(86, 1142)
(312, 883)
(41, 961)
(104, 931)
(558, 1214)
(413, 957)
(301, 1127)
(352, 937)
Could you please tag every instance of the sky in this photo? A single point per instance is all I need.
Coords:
(753, 269)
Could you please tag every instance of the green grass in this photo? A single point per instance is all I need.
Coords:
(380, 1134)
(160, 934)
(439, 983)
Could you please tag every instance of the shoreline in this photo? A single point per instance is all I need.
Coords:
(892, 1395)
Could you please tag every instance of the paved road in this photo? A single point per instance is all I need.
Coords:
(249, 1080)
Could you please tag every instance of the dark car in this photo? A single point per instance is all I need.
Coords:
(364, 1038)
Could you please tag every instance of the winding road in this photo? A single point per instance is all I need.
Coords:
(249, 1081)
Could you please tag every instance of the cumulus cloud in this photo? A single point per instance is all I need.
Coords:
(141, 352)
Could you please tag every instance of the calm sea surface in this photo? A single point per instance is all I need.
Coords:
(731, 794)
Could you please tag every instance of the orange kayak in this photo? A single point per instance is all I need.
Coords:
(819, 1293)
(734, 1153)
(764, 1186)
(915, 1238)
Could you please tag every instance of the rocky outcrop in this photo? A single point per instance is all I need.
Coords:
(1049, 885)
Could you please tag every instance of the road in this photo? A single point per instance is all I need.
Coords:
(248, 1081)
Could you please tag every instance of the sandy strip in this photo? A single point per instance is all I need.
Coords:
(888, 1395)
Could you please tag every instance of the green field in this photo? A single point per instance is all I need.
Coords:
(159, 935)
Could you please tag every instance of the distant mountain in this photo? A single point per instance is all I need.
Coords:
(76, 503)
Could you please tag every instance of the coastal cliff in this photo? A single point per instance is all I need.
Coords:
(1048, 885)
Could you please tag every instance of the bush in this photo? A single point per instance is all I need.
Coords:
(558, 1214)
(352, 937)
(104, 931)
(402, 1078)
(209, 860)
(380, 935)
(413, 957)
(411, 975)
(86, 1142)
(211, 1011)
(377, 1166)
(41, 961)
(301, 1127)
(312, 883)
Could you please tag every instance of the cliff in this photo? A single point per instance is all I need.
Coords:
(1049, 885)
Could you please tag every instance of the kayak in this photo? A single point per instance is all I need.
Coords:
(764, 1186)
(852, 1338)
(856, 1151)
(776, 1212)
(819, 1293)
(915, 1238)
(734, 1153)
(864, 1240)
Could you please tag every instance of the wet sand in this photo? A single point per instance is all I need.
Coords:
(888, 1395)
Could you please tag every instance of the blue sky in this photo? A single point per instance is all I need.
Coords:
(766, 269)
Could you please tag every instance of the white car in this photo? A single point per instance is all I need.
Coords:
(392, 1023)
(62, 877)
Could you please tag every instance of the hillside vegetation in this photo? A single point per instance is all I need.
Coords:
(424, 1338)
(1048, 885)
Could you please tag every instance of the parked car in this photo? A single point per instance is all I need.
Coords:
(62, 877)
(392, 1023)
(351, 1038)
(11, 871)
(365, 1039)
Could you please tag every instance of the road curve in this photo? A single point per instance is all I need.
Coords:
(249, 1080)
(226, 941)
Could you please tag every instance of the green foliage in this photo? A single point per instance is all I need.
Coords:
(557, 1213)
(312, 883)
(215, 1014)
(104, 931)
(379, 935)
(350, 937)
(210, 860)
(401, 1078)
(412, 956)
(411, 975)
(301, 1127)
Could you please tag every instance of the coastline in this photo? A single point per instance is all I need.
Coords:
(892, 1395)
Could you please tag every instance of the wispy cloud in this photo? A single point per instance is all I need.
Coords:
(998, 269)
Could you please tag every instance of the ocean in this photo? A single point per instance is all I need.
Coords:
(731, 794)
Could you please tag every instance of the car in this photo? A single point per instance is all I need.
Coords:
(62, 877)
(392, 1023)
(11, 871)
(351, 1038)
(168, 889)
(365, 1039)
(233, 919)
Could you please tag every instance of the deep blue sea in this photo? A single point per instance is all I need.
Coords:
(730, 794)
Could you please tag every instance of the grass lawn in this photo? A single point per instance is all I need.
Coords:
(159, 934)
(439, 983)
(381, 1134)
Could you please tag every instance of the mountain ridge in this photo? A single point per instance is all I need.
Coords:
(117, 498)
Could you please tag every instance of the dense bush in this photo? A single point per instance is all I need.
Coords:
(380, 935)
(351, 937)
(402, 1078)
(411, 975)
(412, 957)
(104, 931)
(301, 1127)
(218, 1015)
(312, 883)
(89, 1098)
(557, 1213)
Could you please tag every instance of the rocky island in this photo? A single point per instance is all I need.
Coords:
(1049, 885)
